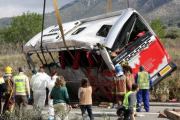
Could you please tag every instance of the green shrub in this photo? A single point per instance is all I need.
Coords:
(164, 27)
(22, 113)
(172, 34)
(157, 27)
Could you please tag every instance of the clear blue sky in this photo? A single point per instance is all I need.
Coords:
(10, 8)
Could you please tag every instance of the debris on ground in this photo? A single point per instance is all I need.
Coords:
(106, 104)
(173, 114)
(162, 115)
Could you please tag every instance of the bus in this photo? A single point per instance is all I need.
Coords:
(95, 46)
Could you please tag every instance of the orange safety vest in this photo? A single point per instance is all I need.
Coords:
(120, 83)
(9, 85)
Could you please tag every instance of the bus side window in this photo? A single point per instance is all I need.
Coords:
(104, 30)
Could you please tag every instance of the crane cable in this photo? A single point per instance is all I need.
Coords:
(108, 6)
(42, 34)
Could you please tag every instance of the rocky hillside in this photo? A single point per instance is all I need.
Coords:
(167, 12)
(150, 9)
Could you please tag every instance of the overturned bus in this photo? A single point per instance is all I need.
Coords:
(98, 44)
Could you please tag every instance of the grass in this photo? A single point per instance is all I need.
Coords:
(173, 28)
(15, 61)
(172, 47)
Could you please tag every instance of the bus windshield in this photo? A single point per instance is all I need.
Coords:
(131, 30)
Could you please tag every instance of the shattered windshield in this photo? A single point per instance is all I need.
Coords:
(129, 33)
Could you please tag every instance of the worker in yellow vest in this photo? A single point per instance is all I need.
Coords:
(21, 89)
(9, 101)
(145, 83)
(2, 89)
(122, 84)
(129, 103)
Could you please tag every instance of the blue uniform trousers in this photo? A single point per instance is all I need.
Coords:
(143, 93)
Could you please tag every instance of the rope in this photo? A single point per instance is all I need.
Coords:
(42, 35)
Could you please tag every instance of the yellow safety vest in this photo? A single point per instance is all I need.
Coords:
(143, 80)
(126, 101)
(117, 92)
(20, 82)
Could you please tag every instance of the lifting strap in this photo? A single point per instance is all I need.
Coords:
(60, 25)
(108, 6)
(61, 30)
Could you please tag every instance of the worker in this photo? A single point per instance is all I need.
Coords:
(128, 72)
(2, 89)
(21, 90)
(9, 101)
(129, 102)
(122, 84)
(50, 86)
(39, 83)
(145, 83)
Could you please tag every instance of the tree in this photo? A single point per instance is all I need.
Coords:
(157, 26)
(22, 28)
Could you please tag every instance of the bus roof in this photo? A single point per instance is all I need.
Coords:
(80, 34)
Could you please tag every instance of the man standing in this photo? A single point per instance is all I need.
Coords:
(21, 89)
(144, 80)
(9, 101)
(2, 89)
(129, 102)
(122, 84)
(38, 83)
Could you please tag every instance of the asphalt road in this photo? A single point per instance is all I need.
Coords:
(155, 108)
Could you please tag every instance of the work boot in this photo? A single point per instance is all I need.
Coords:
(147, 110)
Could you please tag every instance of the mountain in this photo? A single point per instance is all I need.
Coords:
(166, 10)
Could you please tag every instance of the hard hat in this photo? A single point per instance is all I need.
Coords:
(124, 63)
(8, 70)
(118, 70)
